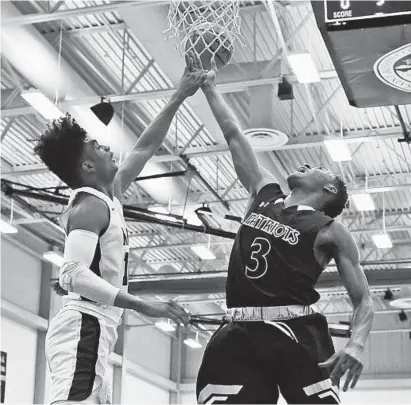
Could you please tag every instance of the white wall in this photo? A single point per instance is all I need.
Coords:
(20, 276)
(376, 396)
(139, 391)
(20, 344)
(148, 347)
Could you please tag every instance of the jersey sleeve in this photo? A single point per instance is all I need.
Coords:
(269, 192)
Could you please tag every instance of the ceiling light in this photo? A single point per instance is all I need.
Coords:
(54, 257)
(382, 241)
(203, 252)
(165, 326)
(104, 111)
(303, 67)
(42, 104)
(194, 344)
(6, 227)
(159, 209)
(338, 150)
(363, 201)
(193, 219)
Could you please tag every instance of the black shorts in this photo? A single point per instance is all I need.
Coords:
(250, 362)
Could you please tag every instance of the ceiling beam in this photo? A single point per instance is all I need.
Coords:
(228, 87)
(58, 15)
(214, 282)
(81, 32)
(300, 142)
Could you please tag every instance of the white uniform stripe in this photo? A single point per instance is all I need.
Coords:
(215, 389)
(290, 330)
(215, 398)
(329, 394)
(276, 324)
(318, 387)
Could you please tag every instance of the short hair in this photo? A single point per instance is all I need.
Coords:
(60, 148)
(336, 205)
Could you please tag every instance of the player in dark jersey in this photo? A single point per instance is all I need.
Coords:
(274, 340)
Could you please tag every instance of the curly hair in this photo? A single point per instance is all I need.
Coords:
(60, 148)
(336, 206)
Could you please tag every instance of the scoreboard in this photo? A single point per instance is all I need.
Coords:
(336, 11)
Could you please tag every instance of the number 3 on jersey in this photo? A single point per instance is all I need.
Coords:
(261, 247)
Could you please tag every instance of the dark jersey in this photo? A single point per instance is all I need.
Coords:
(272, 262)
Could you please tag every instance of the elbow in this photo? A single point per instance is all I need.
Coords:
(231, 129)
(68, 273)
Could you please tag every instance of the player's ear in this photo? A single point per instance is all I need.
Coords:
(330, 188)
(88, 166)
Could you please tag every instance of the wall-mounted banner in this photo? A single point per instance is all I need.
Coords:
(371, 53)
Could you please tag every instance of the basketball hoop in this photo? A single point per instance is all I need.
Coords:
(193, 19)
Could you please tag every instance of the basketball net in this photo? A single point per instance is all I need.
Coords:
(189, 20)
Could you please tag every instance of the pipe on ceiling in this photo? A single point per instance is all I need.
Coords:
(36, 60)
(214, 282)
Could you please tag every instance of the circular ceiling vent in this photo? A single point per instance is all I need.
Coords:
(266, 138)
(401, 303)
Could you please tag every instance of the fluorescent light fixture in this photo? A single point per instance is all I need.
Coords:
(162, 213)
(203, 252)
(6, 227)
(54, 257)
(363, 201)
(159, 209)
(194, 344)
(42, 104)
(338, 150)
(382, 241)
(194, 220)
(303, 67)
(165, 326)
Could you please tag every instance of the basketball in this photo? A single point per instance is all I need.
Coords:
(208, 43)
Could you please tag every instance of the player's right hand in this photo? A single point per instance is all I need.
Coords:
(164, 309)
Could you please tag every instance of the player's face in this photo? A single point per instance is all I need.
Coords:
(310, 178)
(101, 157)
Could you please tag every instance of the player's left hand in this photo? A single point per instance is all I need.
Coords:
(348, 359)
(194, 76)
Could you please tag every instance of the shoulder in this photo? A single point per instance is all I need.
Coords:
(89, 213)
(336, 234)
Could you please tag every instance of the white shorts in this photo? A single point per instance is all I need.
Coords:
(78, 346)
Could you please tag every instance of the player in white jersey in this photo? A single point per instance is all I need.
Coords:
(83, 333)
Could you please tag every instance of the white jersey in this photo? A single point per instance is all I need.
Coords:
(110, 259)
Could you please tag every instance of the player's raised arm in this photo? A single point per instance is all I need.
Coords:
(251, 175)
(154, 134)
(347, 260)
(88, 219)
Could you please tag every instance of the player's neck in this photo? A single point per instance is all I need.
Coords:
(300, 197)
(107, 189)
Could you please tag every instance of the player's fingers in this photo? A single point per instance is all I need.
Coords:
(181, 317)
(196, 61)
(329, 362)
(190, 62)
(348, 379)
(213, 64)
(180, 312)
(357, 375)
(338, 371)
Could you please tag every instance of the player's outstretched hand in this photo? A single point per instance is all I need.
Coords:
(345, 360)
(193, 77)
(164, 309)
(211, 75)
